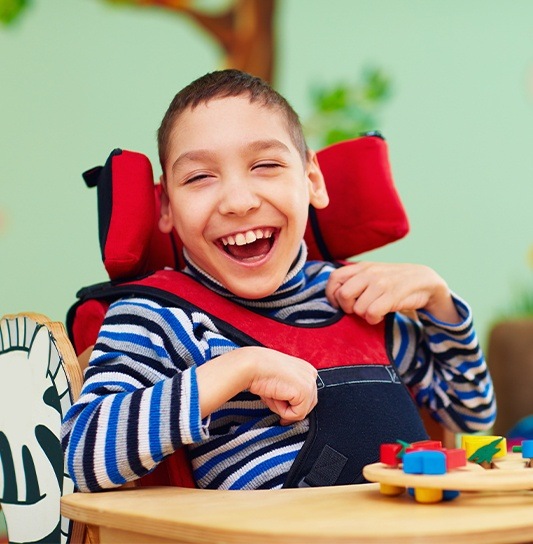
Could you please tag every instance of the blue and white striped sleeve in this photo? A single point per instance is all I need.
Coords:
(444, 367)
(139, 401)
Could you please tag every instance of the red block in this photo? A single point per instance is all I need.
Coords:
(425, 445)
(455, 458)
(388, 454)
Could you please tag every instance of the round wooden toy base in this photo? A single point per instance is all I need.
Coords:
(510, 474)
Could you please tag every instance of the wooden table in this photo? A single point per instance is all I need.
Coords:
(301, 516)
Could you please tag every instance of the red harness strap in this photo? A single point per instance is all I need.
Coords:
(344, 340)
(329, 344)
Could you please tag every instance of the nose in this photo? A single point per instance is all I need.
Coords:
(238, 198)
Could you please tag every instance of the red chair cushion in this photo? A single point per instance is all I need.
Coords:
(365, 211)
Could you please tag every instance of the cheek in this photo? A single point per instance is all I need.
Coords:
(296, 206)
(191, 218)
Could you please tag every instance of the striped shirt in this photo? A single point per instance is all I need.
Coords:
(139, 402)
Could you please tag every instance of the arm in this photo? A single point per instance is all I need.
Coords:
(150, 382)
(437, 353)
(444, 367)
(139, 381)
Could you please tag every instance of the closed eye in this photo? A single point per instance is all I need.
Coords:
(197, 177)
(267, 165)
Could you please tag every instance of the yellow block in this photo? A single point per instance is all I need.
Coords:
(428, 496)
(391, 490)
(472, 443)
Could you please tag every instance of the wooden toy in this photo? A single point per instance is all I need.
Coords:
(422, 461)
(483, 449)
(527, 452)
(431, 473)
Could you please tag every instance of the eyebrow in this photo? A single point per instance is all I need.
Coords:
(273, 143)
(193, 156)
(254, 146)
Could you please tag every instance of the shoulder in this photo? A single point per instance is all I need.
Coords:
(137, 306)
(140, 310)
(160, 318)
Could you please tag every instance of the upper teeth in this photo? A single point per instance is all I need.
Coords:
(248, 237)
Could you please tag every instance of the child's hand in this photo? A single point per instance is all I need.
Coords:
(286, 384)
(371, 290)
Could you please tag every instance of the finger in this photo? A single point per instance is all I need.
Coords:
(288, 414)
(332, 287)
(375, 311)
(372, 304)
(291, 412)
(373, 318)
(337, 279)
(281, 409)
(347, 294)
(277, 406)
(295, 413)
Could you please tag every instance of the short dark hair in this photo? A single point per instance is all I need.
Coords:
(223, 84)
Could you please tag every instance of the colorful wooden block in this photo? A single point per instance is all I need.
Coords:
(425, 445)
(428, 496)
(424, 462)
(455, 458)
(391, 490)
(388, 454)
(527, 449)
(450, 495)
(483, 449)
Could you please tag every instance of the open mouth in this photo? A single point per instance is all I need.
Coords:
(250, 245)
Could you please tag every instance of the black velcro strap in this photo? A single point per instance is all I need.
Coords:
(92, 176)
(326, 470)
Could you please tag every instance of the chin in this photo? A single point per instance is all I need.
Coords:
(253, 292)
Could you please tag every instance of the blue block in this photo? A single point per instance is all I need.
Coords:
(424, 462)
(449, 495)
(527, 449)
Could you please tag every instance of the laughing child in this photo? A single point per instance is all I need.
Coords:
(237, 181)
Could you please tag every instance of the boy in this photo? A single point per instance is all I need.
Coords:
(238, 179)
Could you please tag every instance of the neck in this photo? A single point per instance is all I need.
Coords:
(291, 281)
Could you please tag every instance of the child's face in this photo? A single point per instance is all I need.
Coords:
(238, 193)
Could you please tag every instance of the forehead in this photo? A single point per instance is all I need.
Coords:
(231, 118)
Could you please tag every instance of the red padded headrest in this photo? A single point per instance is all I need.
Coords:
(365, 211)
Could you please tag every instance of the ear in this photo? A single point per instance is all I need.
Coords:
(165, 220)
(318, 194)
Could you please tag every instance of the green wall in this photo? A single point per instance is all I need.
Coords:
(79, 78)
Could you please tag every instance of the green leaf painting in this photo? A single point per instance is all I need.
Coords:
(11, 9)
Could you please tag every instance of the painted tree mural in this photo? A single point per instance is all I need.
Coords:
(244, 30)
